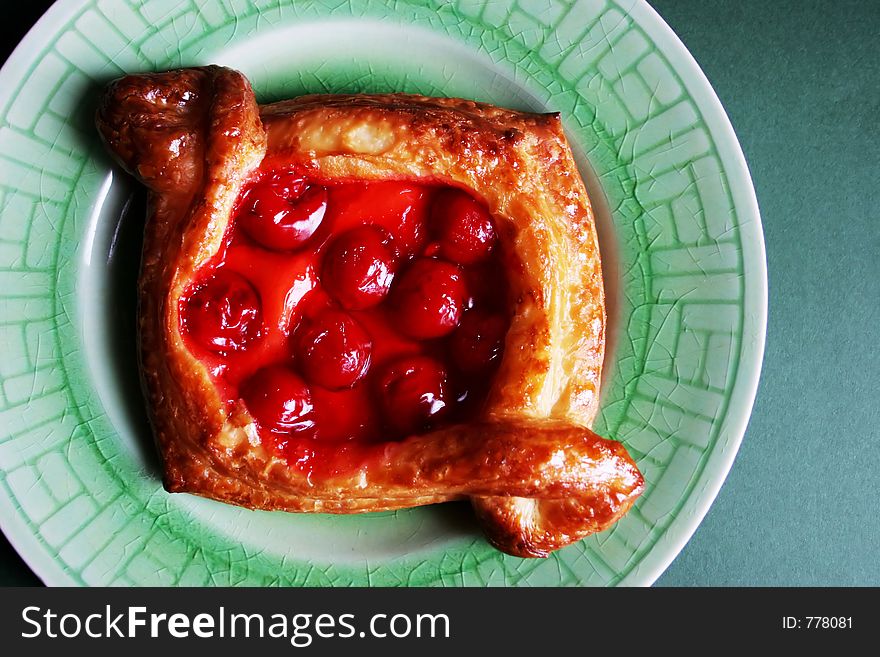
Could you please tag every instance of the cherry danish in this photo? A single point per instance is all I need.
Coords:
(354, 303)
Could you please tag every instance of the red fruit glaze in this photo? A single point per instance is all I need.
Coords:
(428, 298)
(414, 392)
(359, 267)
(342, 325)
(283, 212)
(222, 313)
(463, 227)
(333, 350)
(279, 400)
(478, 342)
(400, 207)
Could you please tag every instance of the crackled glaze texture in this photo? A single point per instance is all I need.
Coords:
(75, 496)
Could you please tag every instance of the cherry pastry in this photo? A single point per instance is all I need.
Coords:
(357, 303)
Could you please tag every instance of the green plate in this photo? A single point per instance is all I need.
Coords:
(80, 496)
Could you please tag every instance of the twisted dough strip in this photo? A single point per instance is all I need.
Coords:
(537, 477)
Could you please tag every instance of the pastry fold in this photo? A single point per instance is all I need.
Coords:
(537, 476)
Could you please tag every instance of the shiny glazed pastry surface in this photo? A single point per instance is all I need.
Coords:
(537, 476)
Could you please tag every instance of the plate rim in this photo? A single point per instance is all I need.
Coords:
(25, 543)
(720, 126)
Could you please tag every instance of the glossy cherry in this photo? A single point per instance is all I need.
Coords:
(332, 350)
(223, 312)
(281, 213)
(279, 400)
(413, 393)
(429, 298)
(462, 226)
(359, 267)
(478, 342)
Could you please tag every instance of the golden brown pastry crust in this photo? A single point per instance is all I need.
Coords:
(537, 476)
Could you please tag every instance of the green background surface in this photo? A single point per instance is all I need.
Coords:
(800, 83)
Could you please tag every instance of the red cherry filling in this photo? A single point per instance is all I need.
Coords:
(477, 344)
(429, 298)
(284, 212)
(399, 207)
(414, 392)
(463, 226)
(223, 312)
(359, 267)
(279, 400)
(333, 350)
(359, 312)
